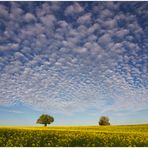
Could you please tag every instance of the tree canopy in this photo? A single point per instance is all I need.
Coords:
(45, 119)
(104, 120)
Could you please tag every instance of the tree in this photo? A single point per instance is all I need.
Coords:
(104, 120)
(45, 119)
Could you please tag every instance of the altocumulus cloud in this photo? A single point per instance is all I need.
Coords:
(72, 56)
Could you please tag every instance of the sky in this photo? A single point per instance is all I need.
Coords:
(75, 61)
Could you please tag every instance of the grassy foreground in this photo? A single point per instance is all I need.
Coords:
(71, 136)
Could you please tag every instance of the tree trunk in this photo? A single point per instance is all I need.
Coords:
(45, 124)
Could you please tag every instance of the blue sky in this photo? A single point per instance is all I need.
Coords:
(75, 61)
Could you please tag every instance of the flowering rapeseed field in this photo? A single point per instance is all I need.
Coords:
(71, 136)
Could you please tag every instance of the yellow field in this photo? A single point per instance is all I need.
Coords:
(91, 136)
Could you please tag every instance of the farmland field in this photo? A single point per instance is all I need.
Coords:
(88, 136)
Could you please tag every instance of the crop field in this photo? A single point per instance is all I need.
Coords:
(71, 136)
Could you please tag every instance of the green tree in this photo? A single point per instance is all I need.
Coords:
(104, 120)
(45, 119)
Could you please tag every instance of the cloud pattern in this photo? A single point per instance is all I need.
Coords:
(73, 56)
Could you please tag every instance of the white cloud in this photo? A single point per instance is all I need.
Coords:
(29, 17)
(57, 64)
(10, 46)
(3, 11)
(63, 24)
(122, 33)
(74, 9)
(110, 24)
(105, 39)
(48, 20)
(80, 50)
(84, 19)
(93, 28)
(106, 13)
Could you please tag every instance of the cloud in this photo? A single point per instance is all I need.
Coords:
(29, 17)
(48, 20)
(3, 11)
(106, 13)
(52, 61)
(80, 50)
(122, 33)
(10, 46)
(85, 18)
(74, 9)
(110, 24)
(105, 39)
